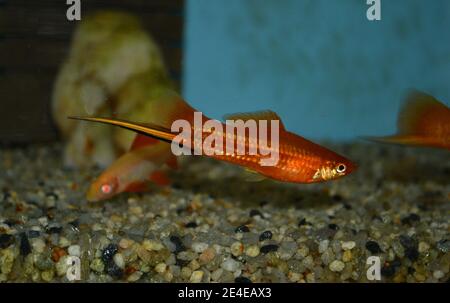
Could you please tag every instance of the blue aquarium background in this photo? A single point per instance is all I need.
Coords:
(326, 69)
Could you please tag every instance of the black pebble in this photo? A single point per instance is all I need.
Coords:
(263, 203)
(347, 206)
(75, 223)
(113, 270)
(373, 247)
(269, 248)
(109, 252)
(337, 198)
(191, 225)
(10, 223)
(303, 222)
(411, 219)
(333, 226)
(265, 235)
(255, 212)
(388, 270)
(411, 247)
(181, 263)
(6, 240)
(25, 247)
(242, 229)
(242, 280)
(179, 246)
(54, 230)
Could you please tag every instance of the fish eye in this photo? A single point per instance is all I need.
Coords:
(106, 188)
(341, 168)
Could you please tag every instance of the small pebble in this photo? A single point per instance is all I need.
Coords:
(265, 235)
(242, 229)
(230, 265)
(348, 245)
(337, 266)
(134, 276)
(242, 280)
(323, 246)
(6, 240)
(119, 260)
(196, 276)
(252, 251)
(160, 268)
(74, 250)
(373, 247)
(152, 245)
(199, 247)
(268, 248)
(236, 249)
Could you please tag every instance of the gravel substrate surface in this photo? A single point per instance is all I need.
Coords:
(213, 226)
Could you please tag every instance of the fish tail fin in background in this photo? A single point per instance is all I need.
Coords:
(422, 121)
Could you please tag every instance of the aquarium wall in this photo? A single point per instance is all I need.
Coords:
(326, 69)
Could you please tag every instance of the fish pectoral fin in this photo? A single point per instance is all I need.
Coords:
(159, 177)
(137, 187)
(258, 115)
(252, 176)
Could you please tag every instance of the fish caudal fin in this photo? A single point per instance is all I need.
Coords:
(142, 141)
(148, 129)
(404, 140)
(421, 122)
(421, 115)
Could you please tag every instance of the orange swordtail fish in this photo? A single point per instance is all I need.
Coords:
(300, 160)
(422, 121)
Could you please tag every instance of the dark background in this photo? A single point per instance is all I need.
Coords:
(34, 40)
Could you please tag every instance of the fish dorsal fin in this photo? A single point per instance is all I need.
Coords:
(258, 115)
(421, 114)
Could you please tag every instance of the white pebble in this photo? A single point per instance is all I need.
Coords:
(323, 245)
(215, 275)
(152, 245)
(423, 247)
(196, 276)
(134, 276)
(38, 245)
(252, 251)
(74, 250)
(118, 259)
(230, 265)
(125, 243)
(438, 274)
(199, 247)
(236, 248)
(348, 245)
(64, 242)
(337, 266)
(160, 268)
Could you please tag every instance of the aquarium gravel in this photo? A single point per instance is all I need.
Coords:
(213, 226)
